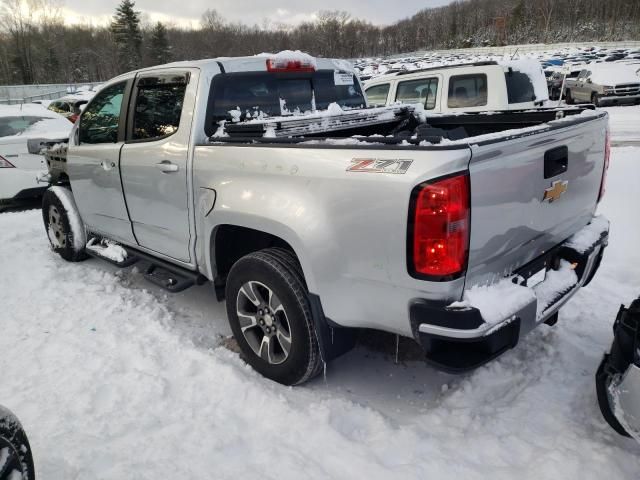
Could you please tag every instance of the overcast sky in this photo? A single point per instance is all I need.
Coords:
(248, 11)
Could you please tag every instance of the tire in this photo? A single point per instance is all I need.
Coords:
(568, 98)
(63, 225)
(595, 99)
(14, 443)
(270, 316)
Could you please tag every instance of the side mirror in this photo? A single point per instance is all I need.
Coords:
(589, 80)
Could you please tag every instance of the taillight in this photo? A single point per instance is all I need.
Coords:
(439, 219)
(73, 118)
(276, 65)
(607, 157)
(4, 163)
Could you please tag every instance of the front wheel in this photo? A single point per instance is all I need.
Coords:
(63, 224)
(270, 316)
(16, 459)
(595, 99)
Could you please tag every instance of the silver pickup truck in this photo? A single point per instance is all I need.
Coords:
(314, 216)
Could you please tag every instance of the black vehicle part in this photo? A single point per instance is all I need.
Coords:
(459, 355)
(14, 444)
(624, 351)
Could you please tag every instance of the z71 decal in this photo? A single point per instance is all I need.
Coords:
(377, 165)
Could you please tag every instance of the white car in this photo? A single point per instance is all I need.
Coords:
(23, 130)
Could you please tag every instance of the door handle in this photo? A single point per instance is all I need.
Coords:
(107, 165)
(166, 166)
(556, 161)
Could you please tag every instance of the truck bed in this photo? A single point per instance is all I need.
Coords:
(346, 200)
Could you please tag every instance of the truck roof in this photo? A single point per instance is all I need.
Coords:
(387, 76)
(255, 63)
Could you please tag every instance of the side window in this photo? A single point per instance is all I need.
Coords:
(377, 95)
(519, 87)
(418, 91)
(101, 119)
(467, 91)
(158, 107)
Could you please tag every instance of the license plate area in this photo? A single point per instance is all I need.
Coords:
(535, 272)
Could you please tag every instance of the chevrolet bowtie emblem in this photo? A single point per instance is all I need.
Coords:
(555, 191)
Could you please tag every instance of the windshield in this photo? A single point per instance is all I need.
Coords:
(244, 96)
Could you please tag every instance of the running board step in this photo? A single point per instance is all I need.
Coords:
(171, 279)
(111, 252)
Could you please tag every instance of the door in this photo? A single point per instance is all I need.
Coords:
(93, 160)
(579, 91)
(154, 160)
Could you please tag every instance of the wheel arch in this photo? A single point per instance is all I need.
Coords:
(230, 241)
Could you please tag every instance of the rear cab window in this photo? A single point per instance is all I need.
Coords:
(240, 96)
(421, 91)
(377, 94)
(467, 91)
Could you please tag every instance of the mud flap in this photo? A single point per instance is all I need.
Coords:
(333, 340)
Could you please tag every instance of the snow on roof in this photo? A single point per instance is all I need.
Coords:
(614, 73)
(27, 109)
(51, 126)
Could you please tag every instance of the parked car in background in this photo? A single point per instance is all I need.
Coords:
(606, 84)
(24, 129)
(68, 107)
(477, 87)
(16, 459)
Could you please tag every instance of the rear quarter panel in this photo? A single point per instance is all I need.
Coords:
(348, 229)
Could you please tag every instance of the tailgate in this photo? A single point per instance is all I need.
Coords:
(531, 192)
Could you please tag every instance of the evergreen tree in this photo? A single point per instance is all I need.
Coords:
(127, 36)
(159, 49)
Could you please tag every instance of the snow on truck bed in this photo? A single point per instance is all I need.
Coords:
(114, 379)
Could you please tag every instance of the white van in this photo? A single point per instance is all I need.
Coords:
(476, 87)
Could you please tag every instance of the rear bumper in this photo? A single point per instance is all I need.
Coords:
(17, 184)
(458, 338)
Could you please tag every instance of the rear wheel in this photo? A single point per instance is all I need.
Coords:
(270, 316)
(16, 460)
(63, 224)
(568, 98)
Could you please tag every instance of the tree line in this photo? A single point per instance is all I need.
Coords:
(36, 46)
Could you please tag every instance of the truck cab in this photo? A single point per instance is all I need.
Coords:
(462, 88)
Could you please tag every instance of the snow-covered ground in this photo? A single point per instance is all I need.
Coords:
(114, 379)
